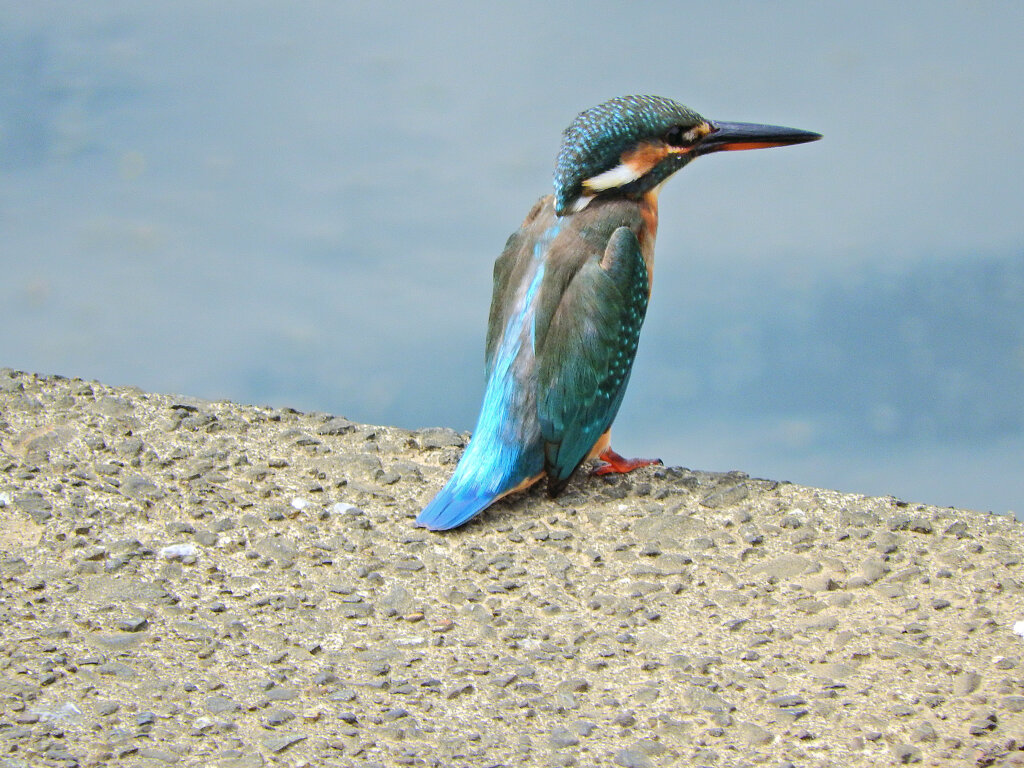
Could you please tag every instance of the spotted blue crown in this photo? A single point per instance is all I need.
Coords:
(595, 139)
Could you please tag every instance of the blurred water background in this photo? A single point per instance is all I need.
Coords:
(298, 204)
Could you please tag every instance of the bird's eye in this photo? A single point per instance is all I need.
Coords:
(676, 136)
(681, 136)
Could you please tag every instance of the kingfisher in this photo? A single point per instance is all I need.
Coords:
(570, 294)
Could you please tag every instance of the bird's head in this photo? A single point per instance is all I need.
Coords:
(630, 144)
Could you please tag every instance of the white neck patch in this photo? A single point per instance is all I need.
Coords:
(580, 203)
(619, 176)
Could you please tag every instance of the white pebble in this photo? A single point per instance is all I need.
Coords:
(5, 499)
(178, 551)
(1018, 628)
(65, 712)
(341, 508)
(410, 641)
(299, 503)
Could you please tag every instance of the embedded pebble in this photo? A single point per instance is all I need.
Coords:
(965, 683)
(343, 508)
(178, 551)
(188, 581)
(280, 743)
(630, 757)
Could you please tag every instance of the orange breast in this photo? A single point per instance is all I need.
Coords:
(647, 235)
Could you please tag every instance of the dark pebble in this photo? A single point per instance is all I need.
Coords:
(135, 624)
(561, 738)
(275, 717)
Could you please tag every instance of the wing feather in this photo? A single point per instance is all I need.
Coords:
(588, 352)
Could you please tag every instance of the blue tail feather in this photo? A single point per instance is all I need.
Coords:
(506, 448)
(486, 472)
(454, 505)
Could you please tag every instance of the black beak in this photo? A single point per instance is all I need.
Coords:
(732, 136)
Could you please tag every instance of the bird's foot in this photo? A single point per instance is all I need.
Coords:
(613, 462)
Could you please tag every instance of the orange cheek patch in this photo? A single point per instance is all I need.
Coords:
(645, 156)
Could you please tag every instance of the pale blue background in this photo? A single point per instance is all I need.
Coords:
(299, 204)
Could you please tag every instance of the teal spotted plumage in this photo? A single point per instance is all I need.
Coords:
(571, 290)
(578, 401)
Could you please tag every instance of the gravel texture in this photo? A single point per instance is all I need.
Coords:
(198, 583)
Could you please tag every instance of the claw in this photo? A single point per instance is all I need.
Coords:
(613, 462)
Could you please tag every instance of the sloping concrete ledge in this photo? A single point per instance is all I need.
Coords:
(198, 583)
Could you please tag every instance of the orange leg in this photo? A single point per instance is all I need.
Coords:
(613, 462)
